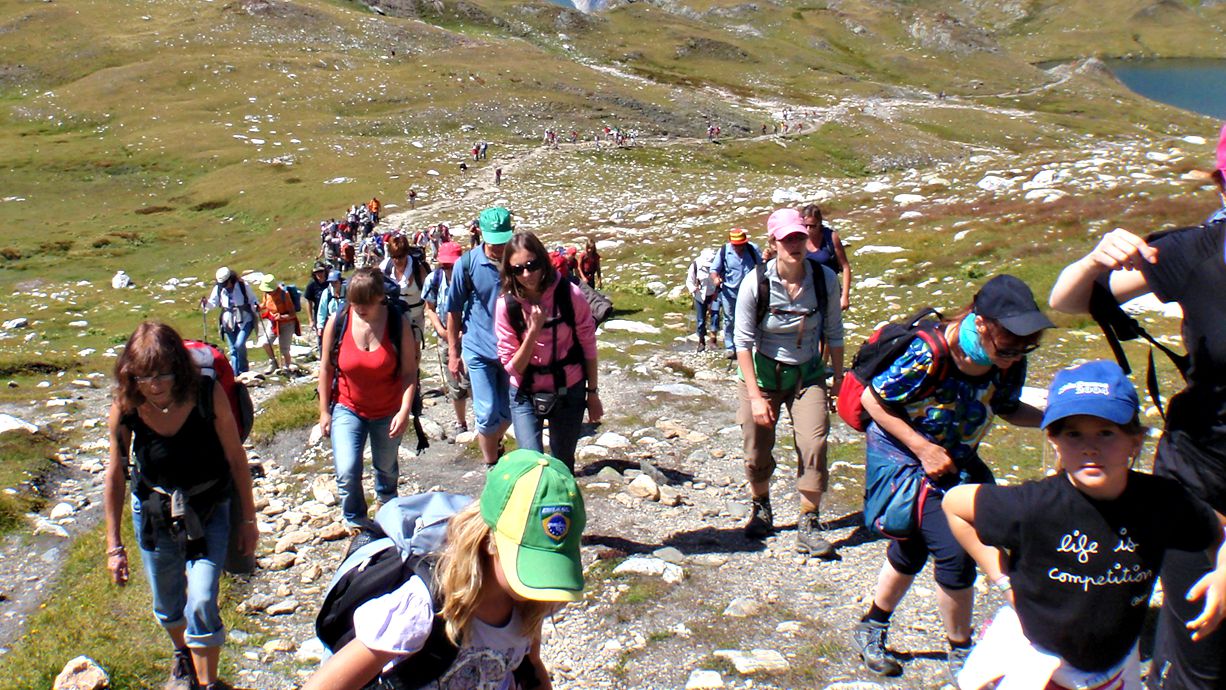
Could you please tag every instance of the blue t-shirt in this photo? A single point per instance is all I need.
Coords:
(956, 416)
(473, 299)
(733, 267)
(436, 291)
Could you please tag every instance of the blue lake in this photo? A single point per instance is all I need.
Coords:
(1198, 85)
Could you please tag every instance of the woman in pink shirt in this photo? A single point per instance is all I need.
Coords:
(366, 391)
(547, 342)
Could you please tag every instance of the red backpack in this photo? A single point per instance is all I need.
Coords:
(214, 365)
(882, 348)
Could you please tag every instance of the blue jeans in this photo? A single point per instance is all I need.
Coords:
(185, 592)
(564, 423)
(728, 301)
(489, 385)
(238, 346)
(349, 434)
(706, 314)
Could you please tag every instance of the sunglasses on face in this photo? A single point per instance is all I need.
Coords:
(164, 379)
(1011, 352)
(522, 269)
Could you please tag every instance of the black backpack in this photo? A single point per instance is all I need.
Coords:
(396, 316)
(562, 300)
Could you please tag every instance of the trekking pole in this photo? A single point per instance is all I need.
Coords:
(204, 325)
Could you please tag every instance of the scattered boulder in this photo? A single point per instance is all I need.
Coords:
(743, 607)
(19, 322)
(653, 567)
(10, 423)
(630, 327)
(683, 390)
(322, 489)
(612, 440)
(644, 486)
(704, 680)
(82, 673)
(754, 661)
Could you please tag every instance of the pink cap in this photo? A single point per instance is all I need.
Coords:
(1221, 150)
(785, 222)
(449, 252)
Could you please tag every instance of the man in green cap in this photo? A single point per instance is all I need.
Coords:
(471, 299)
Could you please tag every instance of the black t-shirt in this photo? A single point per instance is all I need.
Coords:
(1191, 270)
(314, 290)
(1083, 570)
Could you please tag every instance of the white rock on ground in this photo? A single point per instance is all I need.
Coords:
(630, 326)
(652, 567)
(754, 661)
(612, 440)
(10, 423)
(644, 487)
(81, 673)
(704, 680)
(683, 390)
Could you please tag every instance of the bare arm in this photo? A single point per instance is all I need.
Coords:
(327, 371)
(113, 494)
(435, 322)
(1120, 252)
(1026, 415)
(845, 275)
(1211, 587)
(408, 374)
(352, 667)
(959, 507)
(227, 431)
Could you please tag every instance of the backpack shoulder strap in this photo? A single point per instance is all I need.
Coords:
(395, 331)
(515, 315)
(204, 398)
(565, 301)
(819, 285)
(764, 295)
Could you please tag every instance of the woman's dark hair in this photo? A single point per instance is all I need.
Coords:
(1133, 427)
(812, 211)
(526, 241)
(366, 287)
(398, 247)
(154, 348)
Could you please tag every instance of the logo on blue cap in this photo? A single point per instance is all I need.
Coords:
(1098, 389)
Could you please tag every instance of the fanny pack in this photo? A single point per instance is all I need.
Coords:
(776, 376)
(543, 402)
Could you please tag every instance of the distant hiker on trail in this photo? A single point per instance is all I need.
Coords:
(929, 411)
(476, 150)
(589, 266)
(239, 314)
(367, 382)
(826, 248)
(317, 283)
(735, 260)
(706, 301)
(332, 299)
(1054, 629)
(277, 308)
(506, 564)
(186, 453)
(782, 328)
(374, 206)
(474, 234)
(1183, 266)
(548, 348)
(498, 176)
(435, 296)
(412, 198)
(482, 150)
(463, 168)
(472, 299)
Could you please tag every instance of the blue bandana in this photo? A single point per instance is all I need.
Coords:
(971, 343)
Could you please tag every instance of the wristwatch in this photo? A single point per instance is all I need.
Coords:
(593, 391)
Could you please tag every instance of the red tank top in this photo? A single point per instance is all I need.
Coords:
(367, 381)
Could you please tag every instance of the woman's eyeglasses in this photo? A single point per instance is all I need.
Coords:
(521, 269)
(164, 379)
(1011, 352)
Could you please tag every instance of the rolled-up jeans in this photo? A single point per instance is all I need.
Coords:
(349, 434)
(565, 423)
(185, 592)
(237, 341)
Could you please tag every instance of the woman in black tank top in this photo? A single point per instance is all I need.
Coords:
(189, 464)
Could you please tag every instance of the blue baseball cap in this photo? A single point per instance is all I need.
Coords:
(334, 276)
(1098, 389)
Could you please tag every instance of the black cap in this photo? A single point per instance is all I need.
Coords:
(320, 266)
(1009, 302)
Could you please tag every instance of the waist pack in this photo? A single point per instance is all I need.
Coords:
(894, 497)
(773, 375)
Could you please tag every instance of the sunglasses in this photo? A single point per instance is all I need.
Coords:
(163, 379)
(520, 269)
(1011, 352)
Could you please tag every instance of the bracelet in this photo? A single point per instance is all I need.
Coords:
(592, 391)
(1002, 584)
(116, 551)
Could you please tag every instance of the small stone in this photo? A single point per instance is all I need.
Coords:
(670, 497)
(282, 607)
(256, 603)
(311, 574)
(755, 661)
(61, 511)
(81, 673)
(682, 390)
(704, 680)
(592, 452)
(279, 644)
(718, 453)
(639, 565)
(19, 322)
(737, 511)
(611, 440)
(743, 607)
(465, 437)
(322, 490)
(333, 532)
(788, 627)
(644, 486)
(609, 474)
(311, 651)
(854, 685)
(44, 526)
(669, 554)
(281, 561)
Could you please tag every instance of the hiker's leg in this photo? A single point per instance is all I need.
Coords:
(490, 443)
(810, 425)
(758, 441)
(385, 455)
(527, 425)
(165, 569)
(953, 570)
(491, 403)
(729, 303)
(566, 423)
(1178, 661)
(700, 317)
(348, 437)
(285, 338)
(205, 630)
(892, 586)
(238, 348)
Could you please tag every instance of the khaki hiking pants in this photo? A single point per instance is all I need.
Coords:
(810, 424)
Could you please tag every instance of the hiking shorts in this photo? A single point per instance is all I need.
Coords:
(457, 388)
(491, 393)
(810, 424)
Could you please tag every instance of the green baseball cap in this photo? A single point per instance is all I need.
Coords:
(495, 225)
(535, 510)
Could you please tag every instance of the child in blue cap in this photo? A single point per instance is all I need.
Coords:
(1077, 554)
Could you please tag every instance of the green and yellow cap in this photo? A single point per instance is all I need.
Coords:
(533, 506)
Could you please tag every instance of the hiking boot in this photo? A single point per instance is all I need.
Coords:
(761, 519)
(955, 661)
(182, 672)
(868, 637)
(702, 345)
(810, 539)
(217, 685)
(730, 354)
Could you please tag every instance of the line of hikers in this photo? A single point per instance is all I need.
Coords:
(446, 590)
